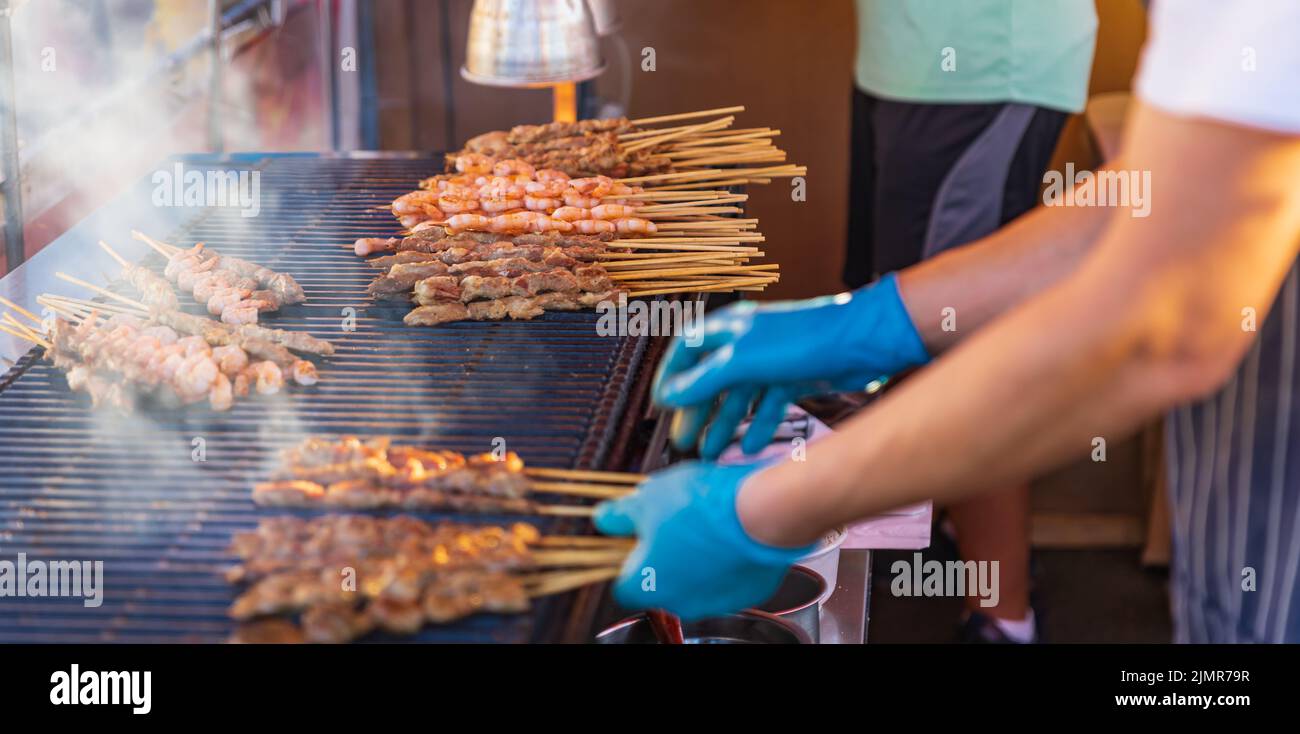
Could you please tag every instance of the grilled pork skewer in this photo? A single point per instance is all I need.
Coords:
(409, 573)
(348, 472)
(435, 238)
(514, 307)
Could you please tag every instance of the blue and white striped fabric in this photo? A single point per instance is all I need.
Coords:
(1233, 464)
(1234, 459)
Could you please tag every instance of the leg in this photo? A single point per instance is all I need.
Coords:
(859, 269)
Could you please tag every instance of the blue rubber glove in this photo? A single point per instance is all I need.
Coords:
(693, 557)
(777, 353)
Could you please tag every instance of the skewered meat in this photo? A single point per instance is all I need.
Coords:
(407, 573)
(514, 307)
(154, 290)
(375, 476)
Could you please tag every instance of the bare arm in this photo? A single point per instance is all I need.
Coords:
(1150, 318)
(1039, 248)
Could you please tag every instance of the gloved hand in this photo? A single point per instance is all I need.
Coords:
(777, 353)
(693, 557)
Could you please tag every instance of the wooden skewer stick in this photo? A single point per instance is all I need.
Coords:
(35, 319)
(101, 291)
(676, 195)
(700, 240)
(586, 474)
(32, 333)
(687, 115)
(693, 271)
(64, 311)
(714, 286)
(726, 182)
(725, 137)
(114, 255)
(583, 557)
(92, 305)
(688, 245)
(650, 142)
(25, 337)
(566, 510)
(718, 201)
(166, 250)
(583, 541)
(739, 131)
(601, 491)
(683, 211)
(561, 581)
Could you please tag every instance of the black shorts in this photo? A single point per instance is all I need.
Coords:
(927, 177)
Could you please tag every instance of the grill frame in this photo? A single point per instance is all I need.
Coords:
(53, 511)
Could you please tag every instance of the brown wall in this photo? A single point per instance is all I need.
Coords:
(789, 63)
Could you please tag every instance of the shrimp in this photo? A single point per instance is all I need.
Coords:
(241, 312)
(192, 345)
(457, 203)
(367, 245)
(411, 220)
(593, 226)
(622, 189)
(304, 373)
(502, 188)
(231, 359)
(164, 334)
(185, 278)
(542, 203)
(571, 213)
(195, 376)
(596, 186)
(416, 202)
(221, 395)
(466, 222)
(546, 224)
(552, 189)
(474, 163)
(224, 298)
(612, 211)
(497, 206)
(635, 225)
(550, 174)
(513, 166)
(513, 223)
(575, 198)
(269, 377)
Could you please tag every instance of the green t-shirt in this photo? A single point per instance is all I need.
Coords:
(1032, 51)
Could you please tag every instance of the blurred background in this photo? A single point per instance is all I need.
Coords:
(102, 90)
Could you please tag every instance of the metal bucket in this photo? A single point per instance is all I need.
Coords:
(749, 627)
(798, 600)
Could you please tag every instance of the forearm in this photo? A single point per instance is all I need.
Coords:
(1150, 319)
(1040, 248)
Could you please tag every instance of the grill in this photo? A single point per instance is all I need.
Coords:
(77, 484)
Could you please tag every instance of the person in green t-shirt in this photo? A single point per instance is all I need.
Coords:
(957, 109)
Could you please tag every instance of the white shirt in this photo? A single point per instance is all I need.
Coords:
(1238, 62)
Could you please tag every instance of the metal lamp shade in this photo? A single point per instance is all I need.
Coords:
(605, 17)
(526, 43)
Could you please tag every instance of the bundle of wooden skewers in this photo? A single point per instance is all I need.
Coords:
(501, 237)
(652, 151)
(337, 578)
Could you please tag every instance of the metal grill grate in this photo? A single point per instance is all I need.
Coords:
(76, 484)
